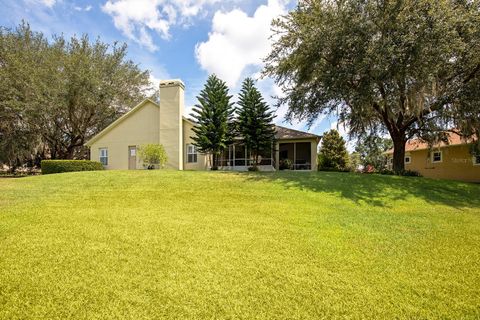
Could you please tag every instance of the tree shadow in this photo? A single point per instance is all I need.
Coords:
(377, 190)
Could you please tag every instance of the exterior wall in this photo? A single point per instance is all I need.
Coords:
(201, 163)
(138, 128)
(457, 164)
(314, 153)
(171, 126)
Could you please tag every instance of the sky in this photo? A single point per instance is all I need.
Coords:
(174, 39)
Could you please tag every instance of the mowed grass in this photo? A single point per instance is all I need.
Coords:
(296, 245)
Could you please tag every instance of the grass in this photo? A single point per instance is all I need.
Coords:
(166, 244)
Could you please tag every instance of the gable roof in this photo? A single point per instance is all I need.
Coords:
(454, 139)
(283, 133)
(120, 120)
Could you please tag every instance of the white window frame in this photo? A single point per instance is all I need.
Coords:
(409, 157)
(474, 160)
(105, 156)
(193, 153)
(433, 156)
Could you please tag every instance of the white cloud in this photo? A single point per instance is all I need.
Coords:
(48, 3)
(87, 8)
(155, 81)
(238, 41)
(138, 18)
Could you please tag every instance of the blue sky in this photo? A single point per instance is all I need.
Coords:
(186, 39)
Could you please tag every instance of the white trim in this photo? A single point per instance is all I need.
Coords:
(474, 160)
(105, 156)
(409, 159)
(193, 153)
(433, 155)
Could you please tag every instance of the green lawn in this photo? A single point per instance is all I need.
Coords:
(166, 244)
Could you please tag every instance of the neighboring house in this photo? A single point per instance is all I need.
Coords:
(444, 161)
(148, 122)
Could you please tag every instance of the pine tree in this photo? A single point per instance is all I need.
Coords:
(254, 122)
(213, 114)
(333, 153)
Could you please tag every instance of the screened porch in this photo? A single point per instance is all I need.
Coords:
(295, 156)
(238, 157)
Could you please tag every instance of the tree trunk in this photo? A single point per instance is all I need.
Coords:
(214, 161)
(399, 141)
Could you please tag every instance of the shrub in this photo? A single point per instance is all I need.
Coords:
(322, 166)
(153, 155)
(58, 166)
(410, 173)
(285, 164)
(369, 169)
(333, 154)
(335, 170)
(386, 171)
(405, 173)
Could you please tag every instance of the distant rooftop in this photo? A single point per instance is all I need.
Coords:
(454, 139)
(283, 133)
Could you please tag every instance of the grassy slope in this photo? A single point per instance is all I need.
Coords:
(274, 245)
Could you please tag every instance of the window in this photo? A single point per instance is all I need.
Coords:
(437, 156)
(103, 152)
(476, 160)
(408, 159)
(191, 153)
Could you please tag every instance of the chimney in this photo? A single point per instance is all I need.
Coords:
(171, 129)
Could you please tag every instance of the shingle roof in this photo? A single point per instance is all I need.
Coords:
(417, 144)
(283, 133)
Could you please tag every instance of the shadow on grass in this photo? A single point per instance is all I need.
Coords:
(377, 190)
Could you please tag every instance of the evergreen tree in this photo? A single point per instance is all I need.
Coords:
(333, 153)
(213, 114)
(254, 123)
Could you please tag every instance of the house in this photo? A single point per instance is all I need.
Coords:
(148, 122)
(452, 160)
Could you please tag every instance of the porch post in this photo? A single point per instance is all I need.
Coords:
(277, 155)
(313, 148)
(271, 154)
(294, 156)
(234, 156)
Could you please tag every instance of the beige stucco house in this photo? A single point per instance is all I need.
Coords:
(149, 122)
(452, 160)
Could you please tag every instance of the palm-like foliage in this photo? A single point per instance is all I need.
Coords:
(213, 115)
(254, 122)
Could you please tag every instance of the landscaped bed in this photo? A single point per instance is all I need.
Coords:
(168, 244)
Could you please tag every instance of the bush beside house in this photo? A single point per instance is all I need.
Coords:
(153, 156)
(333, 154)
(59, 166)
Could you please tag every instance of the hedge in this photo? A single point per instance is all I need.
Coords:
(58, 166)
